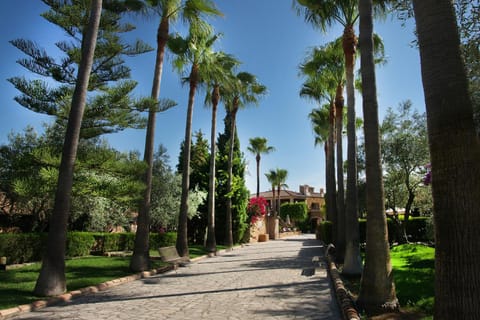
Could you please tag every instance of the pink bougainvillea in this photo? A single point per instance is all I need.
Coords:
(256, 209)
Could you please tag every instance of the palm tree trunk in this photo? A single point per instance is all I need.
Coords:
(330, 178)
(228, 220)
(455, 159)
(211, 241)
(51, 280)
(377, 292)
(257, 158)
(339, 101)
(141, 257)
(182, 234)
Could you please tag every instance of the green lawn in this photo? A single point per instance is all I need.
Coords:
(16, 285)
(413, 272)
(413, 267)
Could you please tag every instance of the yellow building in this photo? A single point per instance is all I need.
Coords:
(314, 200)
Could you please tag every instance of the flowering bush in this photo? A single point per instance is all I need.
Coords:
(256, 209)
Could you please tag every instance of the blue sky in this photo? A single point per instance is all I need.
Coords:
(270, 40)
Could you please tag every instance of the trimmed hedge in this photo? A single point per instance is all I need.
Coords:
(416, 229)
(297, 211)
(28, 247)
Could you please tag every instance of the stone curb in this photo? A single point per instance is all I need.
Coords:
(344, 300)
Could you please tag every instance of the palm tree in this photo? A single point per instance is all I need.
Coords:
(455, 160)
(377, 293)
(324, 69)
(169, 11)
(247, 90)
(51, 280)
(220, 78)
(194, 50)
(321, 120)
(258, 146)
(282, 175)
(272, 179)
(323, 14)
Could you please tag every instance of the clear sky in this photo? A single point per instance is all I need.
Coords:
(270, 40)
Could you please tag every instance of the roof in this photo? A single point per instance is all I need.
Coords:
(289, 194)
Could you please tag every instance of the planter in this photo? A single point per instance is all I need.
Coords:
(263, 237)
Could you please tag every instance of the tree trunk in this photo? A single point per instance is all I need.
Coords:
(258, 174)
(211, 241)
(51, 280)
(182, 234)
(141, 253)
(339, 102)
(351, 207)
(228, 220)
(377, 290)
(330, 185)
(455, 160)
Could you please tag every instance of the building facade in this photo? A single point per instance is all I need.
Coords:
(314, 200)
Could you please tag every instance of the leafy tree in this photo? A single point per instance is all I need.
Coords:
(25, 190)
(405, 154)
(377, 291)
(238, 193)
(455, 161)
(257, 147)
(103, 178)
(166, 192)
(199, 180)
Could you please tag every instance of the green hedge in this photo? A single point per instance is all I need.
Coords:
(416, 228)
(28, 247)
(296, 211)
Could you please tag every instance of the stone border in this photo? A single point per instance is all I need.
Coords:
(344, 300)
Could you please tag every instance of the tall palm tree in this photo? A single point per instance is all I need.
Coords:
(282, 175)
(195, 51)
(323, 14)
(51, 280)
(321, 120)
(259, 146)
(247, 90)
(455, 160)
(377, 293)
(324, 69)
(272, 179)
(168, 11)
(219, 78)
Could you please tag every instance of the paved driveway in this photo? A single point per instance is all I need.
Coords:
(269, 280)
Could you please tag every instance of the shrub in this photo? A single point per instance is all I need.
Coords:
(79, 244)
(166, 239)
(22, 247)
(296, 211)
(325, 231)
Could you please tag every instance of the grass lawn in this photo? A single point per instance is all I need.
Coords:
(413, 267)
(16, 285)
(413, 272)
